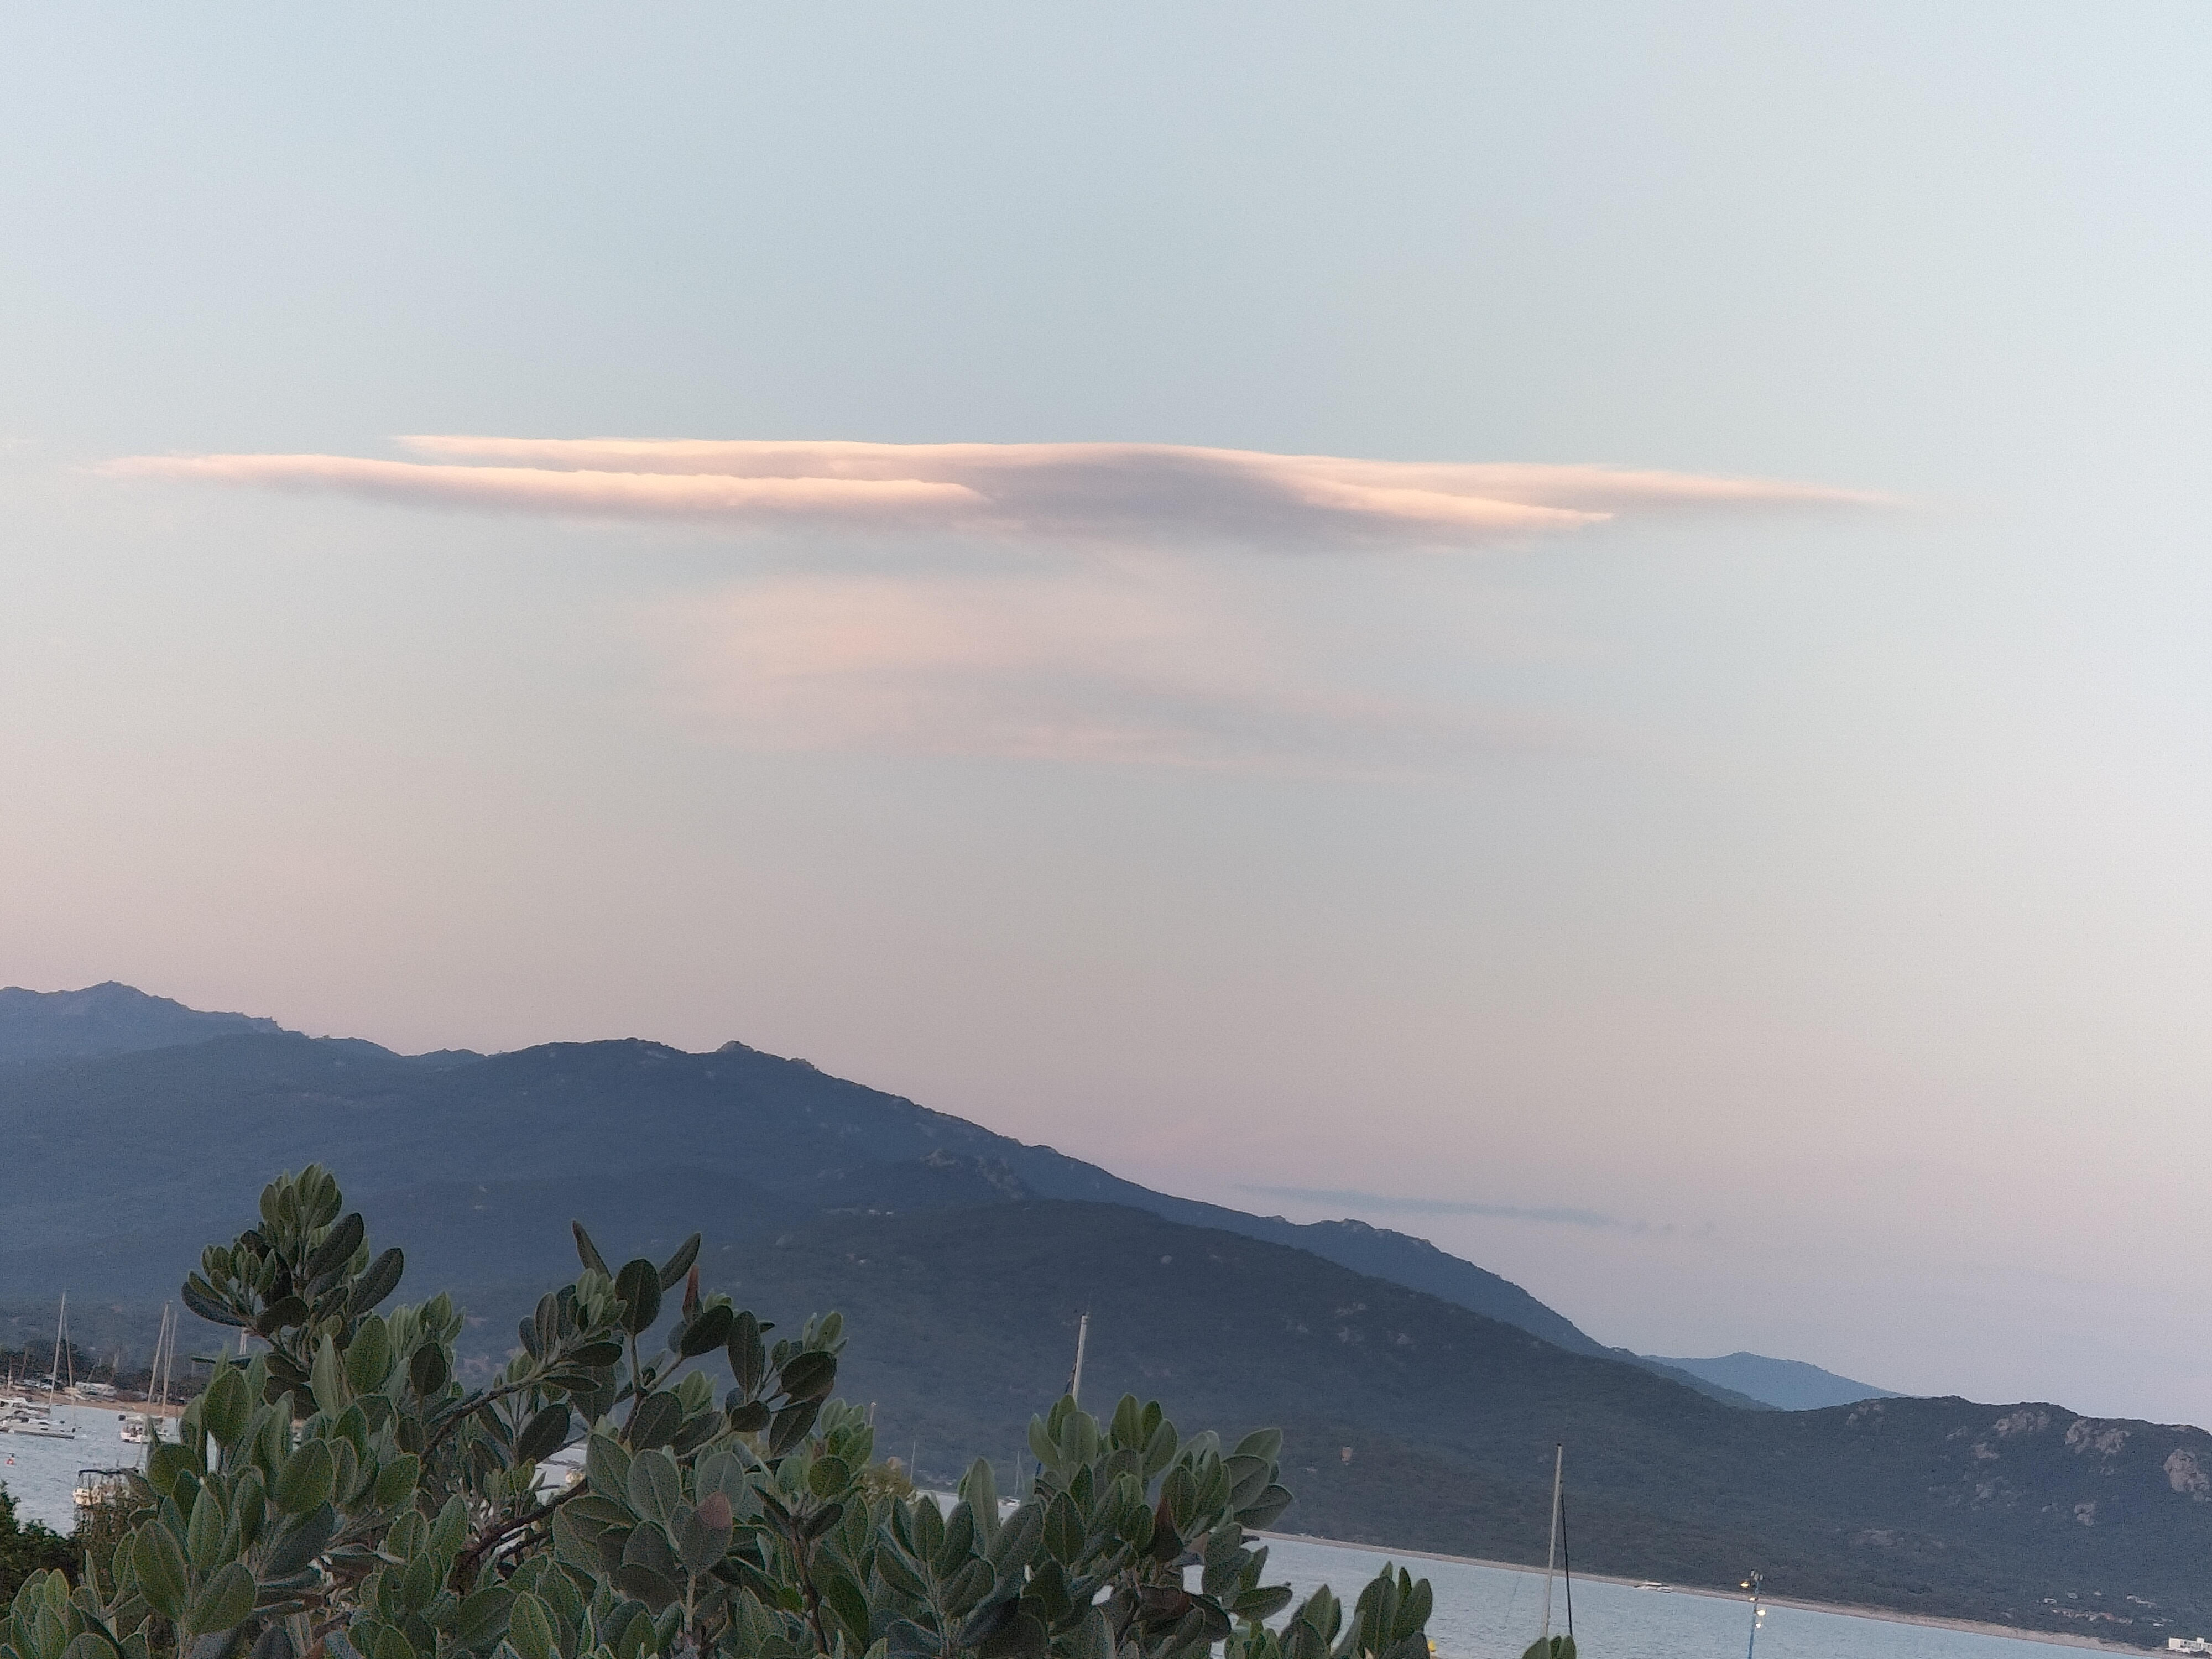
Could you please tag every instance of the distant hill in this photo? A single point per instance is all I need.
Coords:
(1789, 1385)
(105, 1019)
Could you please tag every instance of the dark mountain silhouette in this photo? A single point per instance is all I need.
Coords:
(522, 1130)
(105, 1019)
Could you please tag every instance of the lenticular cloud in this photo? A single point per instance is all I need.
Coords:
(1104, 491)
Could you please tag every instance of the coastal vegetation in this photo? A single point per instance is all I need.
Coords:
(27, 1548)
(342, 1493)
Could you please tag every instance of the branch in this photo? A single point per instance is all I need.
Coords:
(499, 1535)
(461, 1410)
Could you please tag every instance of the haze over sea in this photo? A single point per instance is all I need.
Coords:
(1481, 1612)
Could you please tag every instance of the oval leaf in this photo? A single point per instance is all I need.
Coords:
(307, 1478)
(160, 1565)
(638, 1284)
(224, 1603)
(544, 1435)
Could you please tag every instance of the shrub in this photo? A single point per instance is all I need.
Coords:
(27, 1548)
(342, 1493)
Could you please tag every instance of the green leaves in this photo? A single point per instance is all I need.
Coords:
(225, 1406)
(676, 1266)
(809, 1376)
(159, 1564)
(702, 1535)
(203, 1531)
(654, 1487)
(368, 1359)
(395, 1481)
(638, 1284)
(748, 1355)
(530, 1628)
(306, 1479)
(427, 1369)
(544, 1434)
(587, 1252)
(379, 1281)
(654, 1421)
(482, 1616)
(297, 1543)
(166, 1461)
(326, 1378)
(764, 1530)
(709, 1331)
(789, 1426)
(337, 1248)
(223, 1602)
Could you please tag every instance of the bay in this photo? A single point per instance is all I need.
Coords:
(1495, 1613)
(1481, 1612)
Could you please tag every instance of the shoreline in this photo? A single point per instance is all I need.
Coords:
(1888, 1615)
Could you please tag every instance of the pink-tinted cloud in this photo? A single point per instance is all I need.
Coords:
(1115, 492)
(1155, 660)
(593, 493)
(1124, 668)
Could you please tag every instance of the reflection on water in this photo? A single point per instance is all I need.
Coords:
(1481, 1612)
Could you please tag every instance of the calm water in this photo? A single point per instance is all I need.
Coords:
(39, 1475)
(1481, 1612)
(1493, 1613)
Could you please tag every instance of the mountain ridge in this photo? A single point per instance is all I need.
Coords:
(107, 1018)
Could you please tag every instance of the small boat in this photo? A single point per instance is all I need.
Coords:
(42, 1424)
(95, 1486)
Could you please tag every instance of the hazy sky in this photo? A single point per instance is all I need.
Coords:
(1772, 917)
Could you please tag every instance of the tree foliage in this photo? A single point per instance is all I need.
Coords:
(342, 1495)
(28, 1547)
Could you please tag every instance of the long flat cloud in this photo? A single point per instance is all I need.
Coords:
(1107, 491)
(960, 650)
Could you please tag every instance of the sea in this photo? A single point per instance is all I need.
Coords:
(1481, 1612)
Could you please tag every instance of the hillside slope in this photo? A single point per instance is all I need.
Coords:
(518, 1128)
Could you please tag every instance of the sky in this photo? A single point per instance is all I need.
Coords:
(1576, 629)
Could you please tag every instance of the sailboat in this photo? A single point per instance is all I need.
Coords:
(143, 1428)
(40, 1419)
(1546, 1645)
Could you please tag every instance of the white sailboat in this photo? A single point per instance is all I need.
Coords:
(38, 1418)
(144, 1428)
(1546, 1645)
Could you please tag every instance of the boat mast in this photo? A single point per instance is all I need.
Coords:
(1552, 1552)
(61, 1330)
(166, 1344)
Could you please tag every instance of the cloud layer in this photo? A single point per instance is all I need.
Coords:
(1127, 666)
(1106, 491)
(1144, 657)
